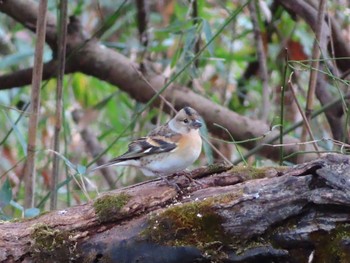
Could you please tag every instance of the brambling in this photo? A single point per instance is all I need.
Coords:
(167, 149)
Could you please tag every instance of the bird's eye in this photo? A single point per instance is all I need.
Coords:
(186, 121)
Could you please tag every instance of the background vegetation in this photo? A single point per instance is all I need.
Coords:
(237, 55)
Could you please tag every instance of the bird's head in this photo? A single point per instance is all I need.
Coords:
(185, 120)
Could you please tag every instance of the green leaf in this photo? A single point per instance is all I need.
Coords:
(101, 104)
(5, 194)
(175, 58)
(78, 10)
(110, 21)
(4, 217)
(208, 36)
(16, 205)
(67, 162)
(15, 59)
(81, 169)
(19, 135)
(31, 212)
(190, 40)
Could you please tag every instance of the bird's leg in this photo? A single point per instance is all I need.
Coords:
(164, 177)
(188, 175)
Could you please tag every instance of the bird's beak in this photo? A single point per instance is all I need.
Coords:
(196, 124)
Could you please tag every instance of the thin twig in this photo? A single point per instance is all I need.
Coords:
(142, 21)
(257, 148)
(217, 151)
(333, 61)
(94, 147)
(194, 15)
(336, 142)
(306, 122)
(61, 50)
(155, 90)
(99, 11)
(313, 73)
(29, 170)
(262, 61)
(290, 144)
(345, 74)
(283, 89)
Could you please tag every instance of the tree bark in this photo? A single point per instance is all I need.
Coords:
(239, 214)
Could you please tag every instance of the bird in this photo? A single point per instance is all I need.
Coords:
(167, 149)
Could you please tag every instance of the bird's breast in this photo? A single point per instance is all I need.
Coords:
(190, 146)
(185, 154)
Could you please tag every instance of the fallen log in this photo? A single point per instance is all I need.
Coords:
(229, 214)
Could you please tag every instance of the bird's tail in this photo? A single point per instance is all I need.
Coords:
(105, 165)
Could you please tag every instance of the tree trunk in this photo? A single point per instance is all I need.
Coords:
(237, 214)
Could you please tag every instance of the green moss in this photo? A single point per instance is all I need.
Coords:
(108, 207)
(251, 172)
(329, 246)
(218, 168)
(52, 244)
(193, 224)
(198, 224)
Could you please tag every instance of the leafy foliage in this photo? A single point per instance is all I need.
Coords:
(217, 70)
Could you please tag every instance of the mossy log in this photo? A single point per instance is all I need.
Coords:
(229, 214)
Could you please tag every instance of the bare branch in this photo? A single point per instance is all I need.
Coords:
(29, 170)
(309, 14)
(93, 59)
(142, 20)
(306, 121)
(26, 12)
(153, 222)
(61, 51)
(24, 77)
(316, 51)
(333, 114)
(94, 148)
(262, 61)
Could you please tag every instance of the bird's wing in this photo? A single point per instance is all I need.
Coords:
(143, 146)
(160, 140)
(148, 146)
